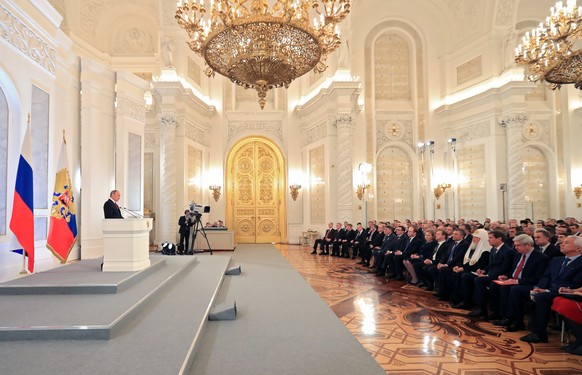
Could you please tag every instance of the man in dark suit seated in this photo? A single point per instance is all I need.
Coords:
(411, 246)
(387, 244)
(347, 241)
(430, 270)
(399, 243)
(543, 244)
(340, 234)
(454, 257)
(527, 269)
(321, 241)
(359, 240)
(500, 262)
(562, 272)
(111, 208)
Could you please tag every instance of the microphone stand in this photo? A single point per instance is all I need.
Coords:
(135, 215)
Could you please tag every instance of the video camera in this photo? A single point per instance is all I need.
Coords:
(197, 210)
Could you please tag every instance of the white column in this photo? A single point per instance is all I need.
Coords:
(98, 152)
(345, 191)
(515, 180)
(168, 214)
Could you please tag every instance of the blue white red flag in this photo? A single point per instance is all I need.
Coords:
(22, 219)
(63, 223)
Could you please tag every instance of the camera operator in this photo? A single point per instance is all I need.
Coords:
(185, 223)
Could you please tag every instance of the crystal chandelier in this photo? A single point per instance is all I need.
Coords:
(548, 52)
(262, 47)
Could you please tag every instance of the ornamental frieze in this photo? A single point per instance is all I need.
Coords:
(132, 109)
(238, 128)
(26, 41)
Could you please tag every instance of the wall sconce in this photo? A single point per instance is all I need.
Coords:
(440, 190)
(294, 191)
(578, 191)
(215, 191)
(361, 190)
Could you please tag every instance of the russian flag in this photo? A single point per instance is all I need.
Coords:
(63, 223)
(22, 220)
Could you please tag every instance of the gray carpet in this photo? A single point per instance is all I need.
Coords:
(156, 340)
(283, 327)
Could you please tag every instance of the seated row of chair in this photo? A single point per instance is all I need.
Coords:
(482, 271)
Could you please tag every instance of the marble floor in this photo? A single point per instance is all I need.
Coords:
(408, 331)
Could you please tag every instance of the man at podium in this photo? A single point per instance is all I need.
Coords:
(110, 208)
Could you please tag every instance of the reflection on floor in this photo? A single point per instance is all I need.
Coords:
(409, 331)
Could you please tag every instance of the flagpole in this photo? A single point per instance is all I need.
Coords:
(24, 271)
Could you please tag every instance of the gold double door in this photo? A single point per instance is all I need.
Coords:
(255, 198)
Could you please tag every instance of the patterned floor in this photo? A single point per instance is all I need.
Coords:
(409, 331)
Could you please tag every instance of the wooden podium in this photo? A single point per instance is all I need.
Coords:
(126, 244)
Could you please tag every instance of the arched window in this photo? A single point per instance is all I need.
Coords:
(394, 184)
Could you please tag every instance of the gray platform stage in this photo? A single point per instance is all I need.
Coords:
(155, 322)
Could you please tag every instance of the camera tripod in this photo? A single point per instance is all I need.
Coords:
(198, 228)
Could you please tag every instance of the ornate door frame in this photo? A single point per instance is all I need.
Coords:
(279, 189)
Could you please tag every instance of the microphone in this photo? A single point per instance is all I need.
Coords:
(132, 213)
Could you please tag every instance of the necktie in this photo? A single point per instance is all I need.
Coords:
(493, 252)
(436, 250)
(452, 254)
(564, 265)
(519, 267)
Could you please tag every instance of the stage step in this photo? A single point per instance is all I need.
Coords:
(83, 277)
(161, 337)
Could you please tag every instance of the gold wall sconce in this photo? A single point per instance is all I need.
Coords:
(578, 191)
(361, 190)
(294, 191)
(215, 191)
(440, 190)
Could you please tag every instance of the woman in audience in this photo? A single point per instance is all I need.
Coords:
(569, 306)
(415, 263)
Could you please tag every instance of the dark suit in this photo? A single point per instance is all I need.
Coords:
(387, 245)
(453, 257)
(399, 244)
(500, 262)
(347, 242)
(340, 234)
(320, 241)
(412, 246)
(426, 251)
(551, 251)
(327, 241)
(510, 297)
(184, 231)
(553, 279)
(431, 272)
(359, 242)
(111, 210)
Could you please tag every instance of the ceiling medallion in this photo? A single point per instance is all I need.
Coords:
(548, 52)
(261, 48)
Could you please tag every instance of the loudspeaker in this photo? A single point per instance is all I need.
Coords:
(233, 271)
(168, 248)
(223, 313)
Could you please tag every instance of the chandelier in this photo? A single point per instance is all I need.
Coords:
(258, 46)
(548, 52)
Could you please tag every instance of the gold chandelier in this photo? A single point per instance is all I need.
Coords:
(261, 48)
(548, 51)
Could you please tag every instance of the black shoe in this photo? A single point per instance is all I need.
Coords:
(314, 252)
(516, 327)
(501, 323)
(398, 278)
(477, 313)
(574, 348)
(533, 338)
(421, 285)
(458, 305)
(494, 316)
(429, 289)
(353, 257)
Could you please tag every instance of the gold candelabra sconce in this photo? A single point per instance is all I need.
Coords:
(294, 191)
(440, 190)
(361, 190)
(215, 191)
(578, 191)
